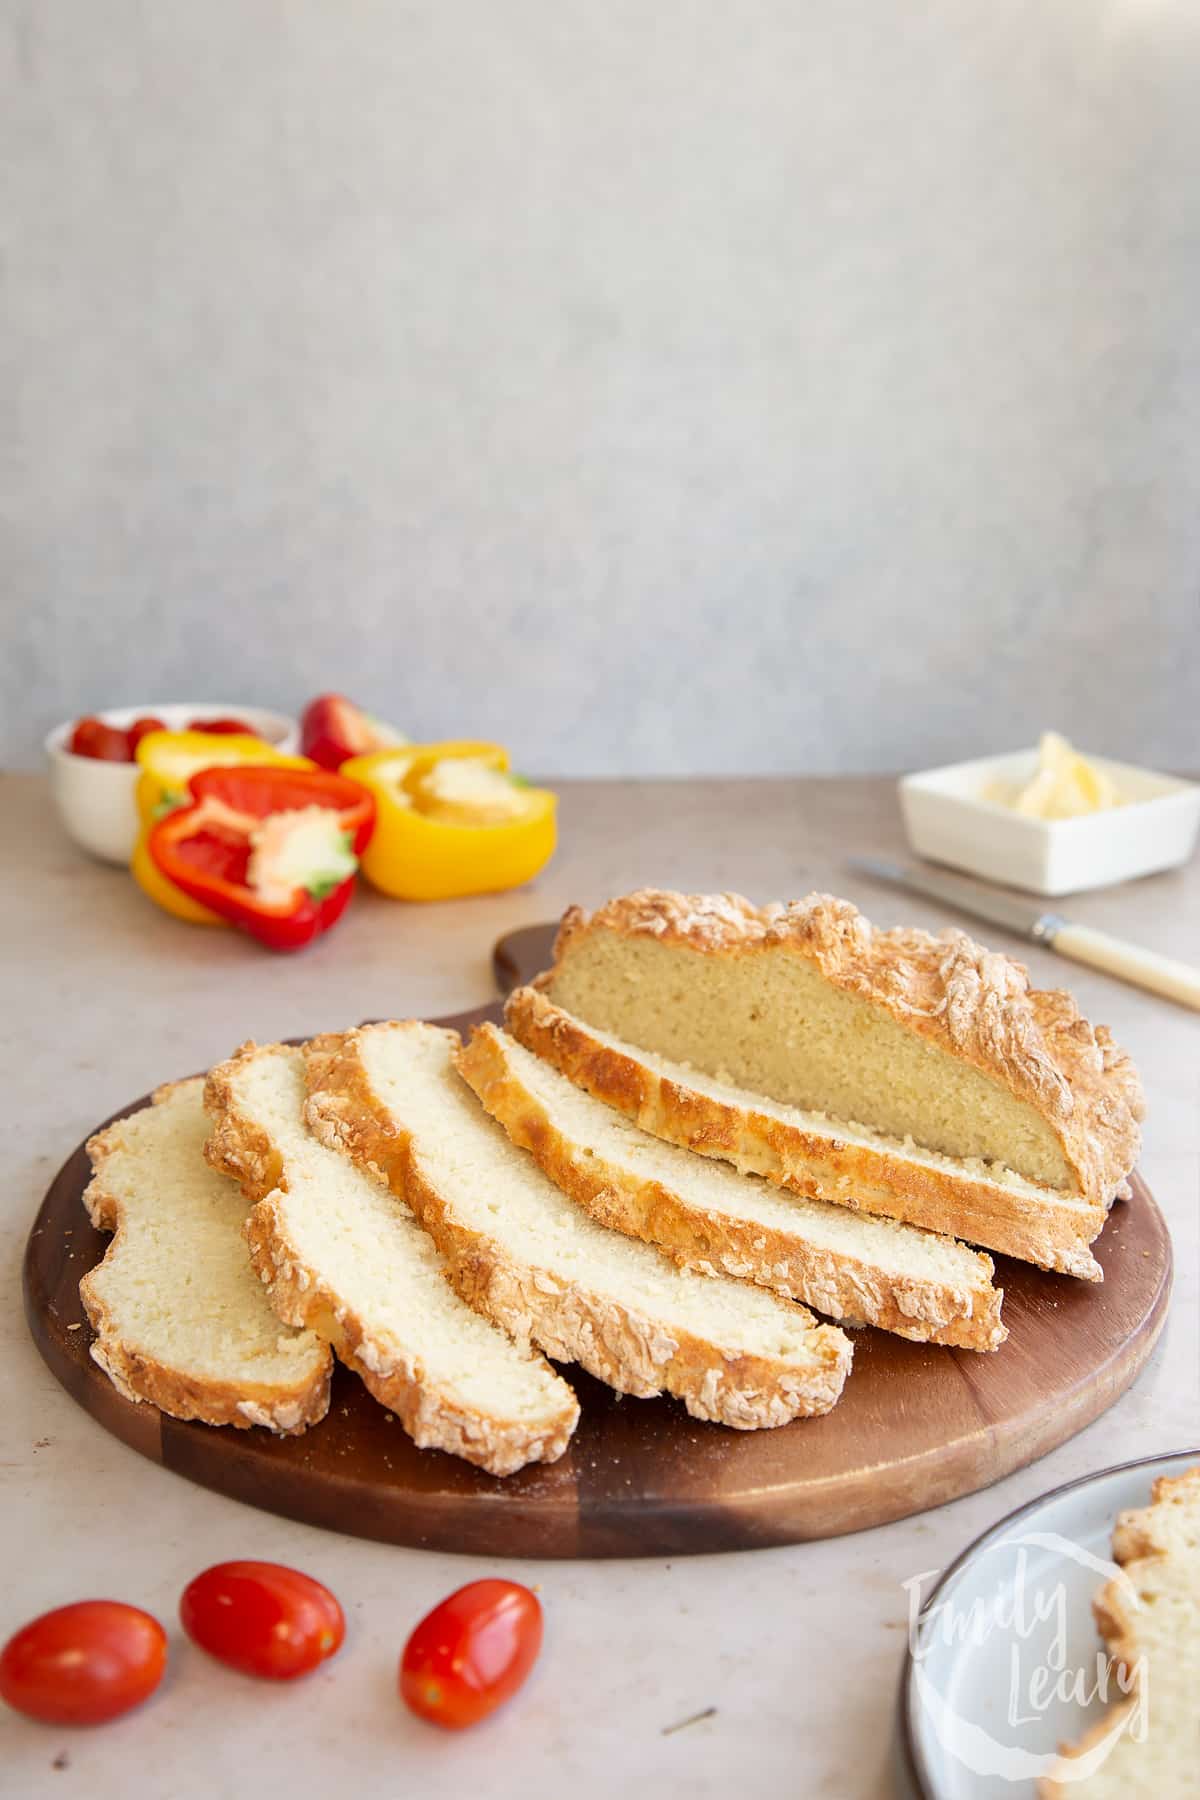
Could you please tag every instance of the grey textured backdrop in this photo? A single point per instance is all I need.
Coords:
(685, 385)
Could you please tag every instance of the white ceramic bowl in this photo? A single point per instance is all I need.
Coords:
(948, 820)
(95, 799)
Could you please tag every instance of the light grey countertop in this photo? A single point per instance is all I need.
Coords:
(798, 1649)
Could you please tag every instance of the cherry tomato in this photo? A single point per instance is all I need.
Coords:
(139, 729)
(223, 727)
(471, 1653)
(262, 1618)
(104, 743)
(83, 1664)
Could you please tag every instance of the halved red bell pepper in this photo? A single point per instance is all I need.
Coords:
(273, 850)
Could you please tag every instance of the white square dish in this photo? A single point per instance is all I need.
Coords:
(949, 820)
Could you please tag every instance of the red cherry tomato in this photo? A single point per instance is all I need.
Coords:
(471, 1653)
(223, 727)
(104, 743)
(139, 729)
(262, 1618)
(83, 1664)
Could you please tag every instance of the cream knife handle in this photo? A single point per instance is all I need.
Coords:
(1144, 968)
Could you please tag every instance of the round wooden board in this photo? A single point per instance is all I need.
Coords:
(917, 1425)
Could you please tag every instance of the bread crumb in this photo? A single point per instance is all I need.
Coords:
(708, 1712)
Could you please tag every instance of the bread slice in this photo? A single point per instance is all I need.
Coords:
(527, 1257)
(180, 1319)
(338, 1252)
(853, 1267)
(1150, 1622)
(808, 1153)
(879, 1037)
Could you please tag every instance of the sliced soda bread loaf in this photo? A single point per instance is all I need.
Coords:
(708, 1217)
(807, 1153)
(911, 1075)
(530, 1259)
(336, 1251)
(180, 1318)
(1150, 1623)
(929, 1038)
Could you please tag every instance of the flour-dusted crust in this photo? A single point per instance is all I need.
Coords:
(1139, 1537)
(1052, 1231)
(974, 1003)
(621, 1345)
(235, 1145)
(286, 1409)
(834, 1282)
(433, 1418)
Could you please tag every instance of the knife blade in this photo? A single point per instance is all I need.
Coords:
(1177, 981)
(963, 894)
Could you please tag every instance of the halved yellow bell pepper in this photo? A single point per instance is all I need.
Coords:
(168, 759)
(451, 820)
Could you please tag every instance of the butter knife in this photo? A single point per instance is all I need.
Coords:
(1082, 943)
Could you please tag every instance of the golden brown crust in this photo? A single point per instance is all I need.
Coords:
(839, 1284)
(1138, 1537)
(286, 1410)
(618, 1344)
(432, 1420)
(1052, 1232)
(974, 1003)
(1050, 1787)
(1144, 1531)
(432, 1417)
(235, 1145)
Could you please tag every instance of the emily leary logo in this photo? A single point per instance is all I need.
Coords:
(1028, 1612)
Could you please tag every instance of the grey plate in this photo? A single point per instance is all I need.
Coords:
(1006, 1640)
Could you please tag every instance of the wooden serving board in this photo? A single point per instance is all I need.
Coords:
(917, 1424)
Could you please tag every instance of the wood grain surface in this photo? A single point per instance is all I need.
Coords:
(918, 1424)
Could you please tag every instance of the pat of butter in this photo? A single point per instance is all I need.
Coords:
(1065, 786)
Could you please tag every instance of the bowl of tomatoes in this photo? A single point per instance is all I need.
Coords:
(94, 769)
